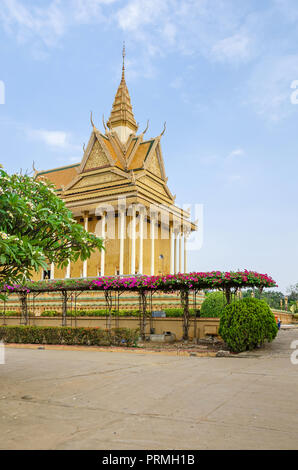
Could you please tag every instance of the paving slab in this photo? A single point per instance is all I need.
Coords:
(87, 399)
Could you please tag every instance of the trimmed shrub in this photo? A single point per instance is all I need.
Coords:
(50, 313)
(213, 305)
(247, 323)
(68, 335)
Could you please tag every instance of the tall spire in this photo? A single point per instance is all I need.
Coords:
(123, 66)
(121, 118)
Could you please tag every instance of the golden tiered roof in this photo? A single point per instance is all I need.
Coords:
(122, 114)
(111, 168)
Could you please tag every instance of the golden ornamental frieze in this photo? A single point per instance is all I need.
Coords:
(101, 194)
(97, 179)
(152, 184)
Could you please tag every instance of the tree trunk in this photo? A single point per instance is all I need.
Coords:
(228, 294)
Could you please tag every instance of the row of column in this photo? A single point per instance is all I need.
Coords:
(176, 238)
(178, 253)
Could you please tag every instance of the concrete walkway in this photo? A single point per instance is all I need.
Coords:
(53, 399)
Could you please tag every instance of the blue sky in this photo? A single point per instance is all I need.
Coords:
(218, 71)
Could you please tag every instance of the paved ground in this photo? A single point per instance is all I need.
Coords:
(101, 400)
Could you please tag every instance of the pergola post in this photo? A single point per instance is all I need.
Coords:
(109, 304)
(64, 307)
(143, 313)
(184, 295)
(24, 308)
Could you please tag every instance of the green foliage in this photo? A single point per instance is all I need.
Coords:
(272, 298)
(293, 293)
(213, 305)
(68, 335)
(247, 323)
(170, 312)
(37, 228)
(10, 313)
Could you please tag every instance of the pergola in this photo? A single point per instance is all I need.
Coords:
(143, 286)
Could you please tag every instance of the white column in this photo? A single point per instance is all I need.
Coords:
(86, 228)
(180, 252)
(175, 252)
(152, 236)
(185, 252)
(141, 236)
(67, 275)
(171, 234)
(103, 234)
(133, 241)
(52, 273)
(122, 227)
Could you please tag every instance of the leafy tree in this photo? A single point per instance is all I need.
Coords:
(36, 228)
(272, 298)
(293, 293)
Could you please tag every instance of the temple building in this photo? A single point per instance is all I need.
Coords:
(119, 192)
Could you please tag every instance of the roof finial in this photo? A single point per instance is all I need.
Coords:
(91, 120)
(104, 124)
(123, 55)
(164, 129)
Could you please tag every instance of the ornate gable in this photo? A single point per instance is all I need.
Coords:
(96, 155)
(153, 161)
(154, 165)
(97, 158)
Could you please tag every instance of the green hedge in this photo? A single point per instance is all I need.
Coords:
(170, 312)
(11, 313)
(68, 335)
(213, 305)
(247, 323)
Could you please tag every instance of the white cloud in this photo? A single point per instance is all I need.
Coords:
(50, 22)
(233, 49)
(269, 87)
(236, 153)
(215, 29)
(28, 22)
(50, 138)
(138, 13)
(88, 11)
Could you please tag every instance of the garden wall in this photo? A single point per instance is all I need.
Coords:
(204, 326)
(285, 318)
